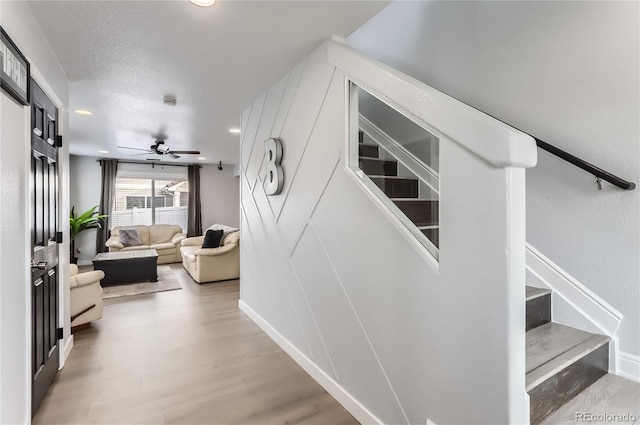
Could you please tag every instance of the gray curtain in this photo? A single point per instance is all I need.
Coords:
(107, 193)
(194, 221)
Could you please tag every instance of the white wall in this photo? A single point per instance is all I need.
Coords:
(219, 196)
(84, 186)
(567, 73)
(335, 279)
(15, 283)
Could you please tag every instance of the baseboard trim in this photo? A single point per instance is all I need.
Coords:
(67, 351)
(628, 366)
(353, 406)
(581, 299)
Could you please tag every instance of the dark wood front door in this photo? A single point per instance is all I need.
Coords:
(44, 256)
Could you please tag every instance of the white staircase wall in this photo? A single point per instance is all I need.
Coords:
(332, 277)
(566, 72)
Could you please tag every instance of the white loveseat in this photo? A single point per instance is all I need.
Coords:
(212, 264)
(164, 238)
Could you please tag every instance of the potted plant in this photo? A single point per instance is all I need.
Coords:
(90, 219)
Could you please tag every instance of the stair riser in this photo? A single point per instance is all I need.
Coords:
(396, 188)
(421, 213)
(378, 168)
(538, 311)
(368, 151)
(547, 397)
(433, 235)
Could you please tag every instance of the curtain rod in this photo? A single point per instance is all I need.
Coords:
(152, 163)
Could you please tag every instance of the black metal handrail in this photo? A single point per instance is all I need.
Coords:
(598, 172)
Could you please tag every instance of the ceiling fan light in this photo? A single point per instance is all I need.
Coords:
(203, 3)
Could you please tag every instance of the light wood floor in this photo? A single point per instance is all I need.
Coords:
(183, 357)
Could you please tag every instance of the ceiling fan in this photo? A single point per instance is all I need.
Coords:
(159, 148)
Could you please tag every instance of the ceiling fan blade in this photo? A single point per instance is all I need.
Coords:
(187, 152)
(135, 149)
(144, 153)
(173, 155)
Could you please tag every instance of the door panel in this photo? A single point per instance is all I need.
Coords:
(44, 224)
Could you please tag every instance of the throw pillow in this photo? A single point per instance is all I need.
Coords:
(130, 237)
(212, 239)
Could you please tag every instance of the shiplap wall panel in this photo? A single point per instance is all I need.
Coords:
(268, 295)
(334, 273)
(249, 132)
(301, 118)
(270, 110)
(280, 306)
(262, 175)
(244, 225)
(317, 165)
(285, 289)
(244, 120)
(289, 278)
(391, 275)
(325, 289)
(293, 79)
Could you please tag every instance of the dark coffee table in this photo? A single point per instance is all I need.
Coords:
(127, 266)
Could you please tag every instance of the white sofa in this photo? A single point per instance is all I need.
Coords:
(212, 264)
(86, 296)
(164, 238)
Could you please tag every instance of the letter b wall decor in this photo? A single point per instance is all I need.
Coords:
(275, 175)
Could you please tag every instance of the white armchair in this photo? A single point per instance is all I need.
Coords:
(212, 264)
(86, 296)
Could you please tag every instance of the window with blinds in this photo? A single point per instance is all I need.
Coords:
(150, 201)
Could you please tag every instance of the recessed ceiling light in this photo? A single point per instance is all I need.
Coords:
(201, 158)
(83, 112)
(203, 3)
(103, 151)
(234, 130)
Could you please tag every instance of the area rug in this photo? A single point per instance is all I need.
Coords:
(166, 282)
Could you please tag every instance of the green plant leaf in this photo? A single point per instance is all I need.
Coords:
(90, 219)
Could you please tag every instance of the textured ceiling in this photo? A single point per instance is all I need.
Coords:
(122, 57)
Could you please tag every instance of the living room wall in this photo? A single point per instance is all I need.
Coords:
(219, 197)
(567, 73)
